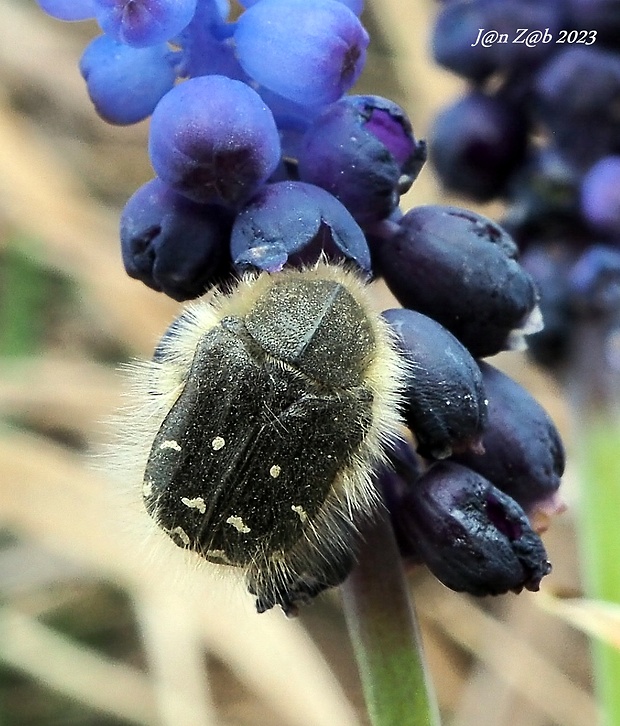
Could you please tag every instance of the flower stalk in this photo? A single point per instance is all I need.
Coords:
(595, 386)
(385, 634)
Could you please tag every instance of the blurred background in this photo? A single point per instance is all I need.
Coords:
(94, 629)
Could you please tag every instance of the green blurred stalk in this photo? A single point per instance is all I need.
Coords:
(600, 543)
(22, 296)
(595, 390)
(385, 634)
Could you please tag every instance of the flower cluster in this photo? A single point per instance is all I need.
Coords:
(264, 163)
(538, 128)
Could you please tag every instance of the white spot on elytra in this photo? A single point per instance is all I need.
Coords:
(195, 503)
(182, 535)
(238, 524)
(218, 443)
(298, 509)
(218, 555)
(147, 488)
(171, 444)
(275, 471)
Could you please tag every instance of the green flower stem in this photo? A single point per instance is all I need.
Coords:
(600, 542)
(22, 292)
(385, 634)
(595, 387)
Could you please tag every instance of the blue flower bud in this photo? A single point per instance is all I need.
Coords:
(600, 201)
(143, 22)
(69, 9)
(309, 51)
(294, 223)
(214, 140)
(124, 83)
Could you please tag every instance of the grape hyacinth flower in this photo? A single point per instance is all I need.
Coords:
(363, 151)
(69, 9)
(141, 23)
(172, 244)
(445, 404)
(213, 140)
(114, 75)
(471, 535)
(461, 269)
(521, 452)
(329, 55)
(280, 407)
(295, 223)
(477, 144)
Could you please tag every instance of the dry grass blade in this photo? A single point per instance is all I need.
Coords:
(47, 494)
(514, 661)
(58, 391)
(75, 670)
(288, 667)
(176, 655)
(81, 237)
(593, 617)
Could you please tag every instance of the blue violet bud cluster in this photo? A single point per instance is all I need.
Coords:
(280, 409)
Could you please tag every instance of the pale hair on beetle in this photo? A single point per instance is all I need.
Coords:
(254, 431)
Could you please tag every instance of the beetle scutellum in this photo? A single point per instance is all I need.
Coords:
(266, 410)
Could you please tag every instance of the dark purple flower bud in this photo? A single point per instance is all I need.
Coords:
(460, 268)
(172, 244)
(578, 81)
(577, 90)
(549, 267)
(394, 481)
(454, 33)
(523, 453)
(445, 404)
(362, 150)
(472, 536)
(294, 223)
(477, 143)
